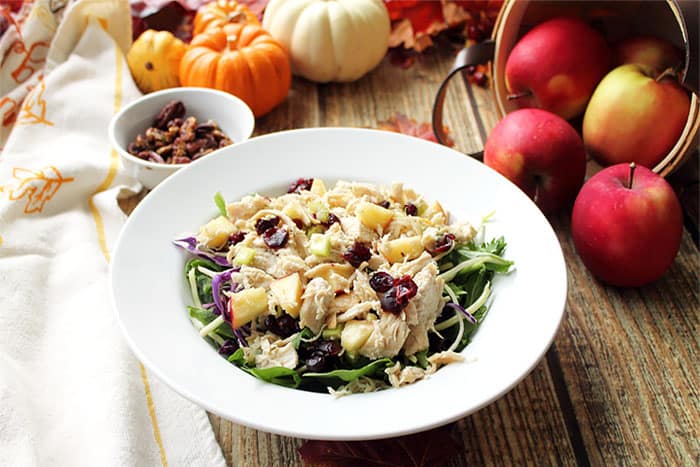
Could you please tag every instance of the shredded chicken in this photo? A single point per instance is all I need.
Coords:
(316, 300)
(399, 377)
(359, 311)
(271, 352)
(250, 277)
(388, 335)
(248, 206)
(356, 230)
(439, 359)
(425, 308)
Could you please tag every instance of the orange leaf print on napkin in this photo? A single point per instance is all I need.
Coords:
(36, 187)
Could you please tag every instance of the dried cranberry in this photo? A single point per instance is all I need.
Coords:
(316, 362)
(385, 204)
(328, 348)
(391, 303)
(405, 287)
(411, 209)
(265, 223)
(332, 219)
(299, 223)
(357, 254)
(381, 281)
(443, 244)
(284, 326)
(236, 238)
(396, 299)
(275, 237)
(300, 184)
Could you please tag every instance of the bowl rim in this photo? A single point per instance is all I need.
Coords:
(164, 92)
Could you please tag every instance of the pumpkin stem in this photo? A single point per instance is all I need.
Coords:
(236, 17)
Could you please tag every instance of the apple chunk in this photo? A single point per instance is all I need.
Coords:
(355, 334)
(373, 216)
(216, 232)
(400, 249)
(287, 291)
(246, 305)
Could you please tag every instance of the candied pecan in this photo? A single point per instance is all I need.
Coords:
(180, 160)
(187, 130)
(151, 156)
(195, 146)
(174, 109)
(201, 153)
(165, 150)
(206, 128)
(158, 137)
(179, 148)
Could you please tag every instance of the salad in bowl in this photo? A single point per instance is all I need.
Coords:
(350, 288)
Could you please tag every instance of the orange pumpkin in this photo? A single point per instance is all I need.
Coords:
(221, 12)
(242, 59)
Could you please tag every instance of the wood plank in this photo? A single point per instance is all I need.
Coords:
(630, 357)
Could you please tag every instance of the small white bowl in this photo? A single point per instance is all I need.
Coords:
(232, 115)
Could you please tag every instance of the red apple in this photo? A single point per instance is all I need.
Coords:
(556, 66)
(656, 53)
(541, 153)
(633, 117)
(627, 234)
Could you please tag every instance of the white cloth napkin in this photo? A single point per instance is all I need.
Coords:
(71, 392)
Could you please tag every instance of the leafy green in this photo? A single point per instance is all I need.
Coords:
(371, 369)
(276, 375)
(305, 334)
(220, 203)
(496, 246)
(205, 317)
(203, 281)
(237, 357)
(205, 263)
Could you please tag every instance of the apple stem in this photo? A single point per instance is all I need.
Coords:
(667, 73)
(631, 177)
(518, 95)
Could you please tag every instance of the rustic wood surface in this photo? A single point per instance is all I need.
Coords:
(619, 386)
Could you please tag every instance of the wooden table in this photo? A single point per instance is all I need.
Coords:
(619, 386)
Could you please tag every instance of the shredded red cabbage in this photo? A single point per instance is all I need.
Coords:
(220, 283)
(190, 244)
(458, 307)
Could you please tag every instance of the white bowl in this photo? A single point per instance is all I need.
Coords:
(150, 295)
(232, 115)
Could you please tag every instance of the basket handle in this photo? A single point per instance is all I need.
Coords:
(468, 56)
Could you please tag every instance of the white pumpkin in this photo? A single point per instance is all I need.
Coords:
(330, 40)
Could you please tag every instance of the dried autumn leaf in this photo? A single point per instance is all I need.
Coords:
(400, 123)
(414, 22)
(428, 449)
(256, 6)
(175, 16)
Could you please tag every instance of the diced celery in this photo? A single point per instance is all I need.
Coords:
(244, 256)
